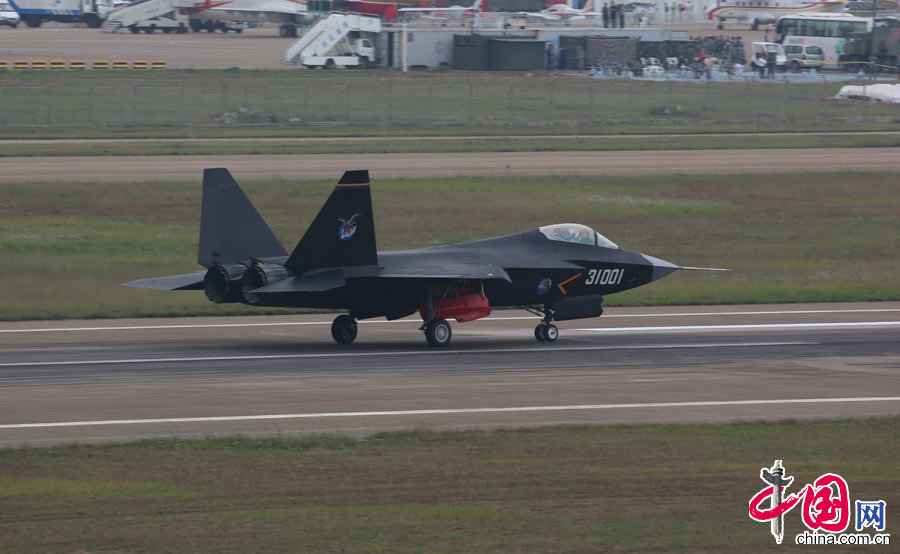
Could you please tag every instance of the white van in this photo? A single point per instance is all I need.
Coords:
(800, 56)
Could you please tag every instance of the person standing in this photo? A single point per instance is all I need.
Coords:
(621, 16)
(605, 12)
(562, 56)
(550, 51)
(771, 64)
(760, 63)
(613, 14)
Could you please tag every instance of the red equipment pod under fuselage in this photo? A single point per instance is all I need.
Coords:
(468, 306)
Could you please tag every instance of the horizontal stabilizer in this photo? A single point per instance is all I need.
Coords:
(188, 281)
(311, 282)
(688, 268)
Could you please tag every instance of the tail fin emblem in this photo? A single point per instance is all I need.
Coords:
(348, 226)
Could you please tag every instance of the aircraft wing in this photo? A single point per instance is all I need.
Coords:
(450, 271)
(187, 281)
(319, 281)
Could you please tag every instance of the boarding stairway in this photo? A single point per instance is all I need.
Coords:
(327, 32)
(144, 10)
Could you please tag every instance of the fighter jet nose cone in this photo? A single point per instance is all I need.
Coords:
(661, 268)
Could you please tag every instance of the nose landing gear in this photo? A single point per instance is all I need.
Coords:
(545, 331)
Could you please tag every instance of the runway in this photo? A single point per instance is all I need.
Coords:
(117, 380)
(421, 165)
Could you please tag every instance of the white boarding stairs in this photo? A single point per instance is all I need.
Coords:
(144, 10)
(327, 33)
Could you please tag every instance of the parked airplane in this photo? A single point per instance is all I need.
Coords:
(558, 12)
(757, 12)
(213, 14)
(477, 6)
(558, 272)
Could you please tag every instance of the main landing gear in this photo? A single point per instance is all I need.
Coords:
(343, 329)
(438, 332)
(545, 331)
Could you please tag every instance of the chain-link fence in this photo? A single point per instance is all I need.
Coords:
(426, 101)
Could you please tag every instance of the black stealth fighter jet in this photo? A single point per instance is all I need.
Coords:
(559, 272)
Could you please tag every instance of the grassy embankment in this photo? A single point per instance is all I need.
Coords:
(788, 237)
(186, 103)
(641, 488)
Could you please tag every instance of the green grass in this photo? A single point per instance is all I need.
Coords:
(177, 102)
(787, 238)
(637, 488)
(398, 144)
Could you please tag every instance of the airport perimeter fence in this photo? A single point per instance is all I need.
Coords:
(427, 101)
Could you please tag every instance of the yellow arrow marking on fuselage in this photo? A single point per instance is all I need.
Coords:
(560, 285)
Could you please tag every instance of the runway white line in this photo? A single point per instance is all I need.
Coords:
(448, 411)
(534, 349)
(744, 327)
(295, 323)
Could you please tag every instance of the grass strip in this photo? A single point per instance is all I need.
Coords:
(801, 237)
(635, 488)
(285, 103)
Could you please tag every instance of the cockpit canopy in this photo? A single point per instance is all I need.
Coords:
(579, 234)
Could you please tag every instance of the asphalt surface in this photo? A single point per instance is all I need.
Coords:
(116, 380)
(259, 48)
(319, 166)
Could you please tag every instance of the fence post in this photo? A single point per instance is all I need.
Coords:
(47, 107)
(669, 106)
(787, 97)
(430, 114)
(866, 102)
(265, 99)
(591, 99)
(134, 103)
(181, 104)
(630, 99)
(471, 99)
(306, 102)
(509, 102)
(347, 93)
(824, 98)
(224, 98)
(390, 99)
(550, 101)
(747, 102)
(708, 96)
(2, 106)
(91, 105)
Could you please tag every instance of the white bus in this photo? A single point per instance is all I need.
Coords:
(826, 31)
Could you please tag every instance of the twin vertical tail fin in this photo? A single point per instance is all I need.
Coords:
(231, 230)
(343, 233)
